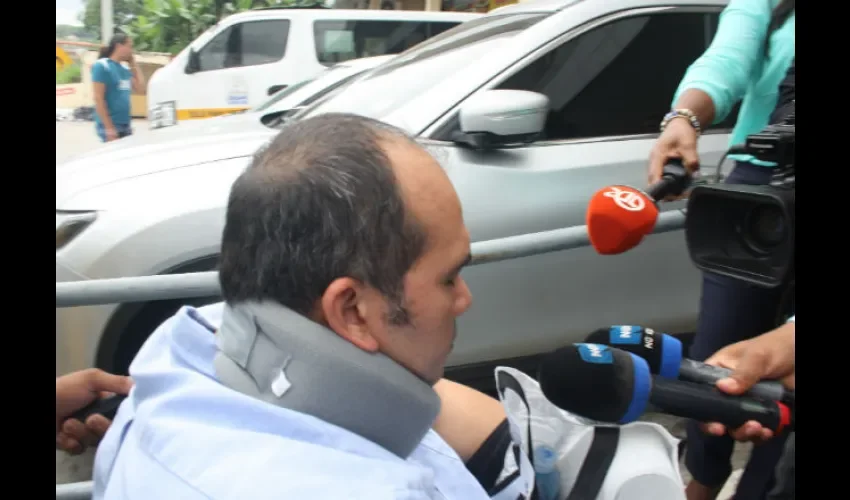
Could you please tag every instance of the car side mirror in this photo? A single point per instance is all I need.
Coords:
(500, 118)
(193, 62)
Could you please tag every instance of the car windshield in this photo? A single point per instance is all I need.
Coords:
(282, 94)
(424, 66)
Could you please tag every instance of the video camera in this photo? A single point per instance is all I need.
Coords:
(747, 232)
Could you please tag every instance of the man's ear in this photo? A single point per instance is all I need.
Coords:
(345, 309)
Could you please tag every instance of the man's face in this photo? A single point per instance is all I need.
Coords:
(434, 293)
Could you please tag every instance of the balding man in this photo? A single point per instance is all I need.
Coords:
(340, 268)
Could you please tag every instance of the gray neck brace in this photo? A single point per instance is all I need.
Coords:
(324, 376)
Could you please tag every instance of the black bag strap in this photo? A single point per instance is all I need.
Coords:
(596, 462)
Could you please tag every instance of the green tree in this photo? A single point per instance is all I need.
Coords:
(170, 25)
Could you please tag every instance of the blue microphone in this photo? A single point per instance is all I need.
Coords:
(663, 353)
(610, 385)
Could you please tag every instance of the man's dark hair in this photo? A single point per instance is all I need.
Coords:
(320, 202)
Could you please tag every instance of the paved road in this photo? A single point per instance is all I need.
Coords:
(73, 138)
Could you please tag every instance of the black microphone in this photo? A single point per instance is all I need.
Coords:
(107, 407)
(675, 179)
(610, 385)
(664, 355)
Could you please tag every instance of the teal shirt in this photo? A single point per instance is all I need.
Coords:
(735, 67)
(117, 82)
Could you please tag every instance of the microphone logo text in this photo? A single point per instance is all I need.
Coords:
(595, 353)
(625, 334)
(626, 199)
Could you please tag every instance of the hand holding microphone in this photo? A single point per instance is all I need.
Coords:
(768, 356)
(678, 141)
(663, 353)
(611, 385)
(618, 217)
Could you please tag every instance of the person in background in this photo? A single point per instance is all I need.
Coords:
(113, 85)
(75, 391)
(750, 56)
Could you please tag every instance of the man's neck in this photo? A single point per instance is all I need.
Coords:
(274, 354)
(115, 58)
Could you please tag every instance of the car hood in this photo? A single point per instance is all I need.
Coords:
(150, 152)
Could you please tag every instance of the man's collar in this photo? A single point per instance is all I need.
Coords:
(274, 354)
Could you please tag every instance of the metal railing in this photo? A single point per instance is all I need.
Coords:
(74, 491)
(192, 285)
(205, 284)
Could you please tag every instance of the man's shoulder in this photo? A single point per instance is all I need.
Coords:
(226, 463)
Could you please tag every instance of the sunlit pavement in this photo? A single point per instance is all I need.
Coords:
(74, 138)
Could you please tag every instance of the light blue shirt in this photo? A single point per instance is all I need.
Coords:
(182, 435)
(736, 67)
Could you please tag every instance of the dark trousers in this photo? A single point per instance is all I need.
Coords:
(731, 311)
(786, 472)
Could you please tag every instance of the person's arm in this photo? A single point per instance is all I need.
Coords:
(138, 79)
(75, 391)
(100, 77)
(769, 356)
(716, 81)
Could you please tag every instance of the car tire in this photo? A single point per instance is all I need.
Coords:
(144, 324)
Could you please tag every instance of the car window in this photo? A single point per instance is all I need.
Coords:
(245, 44)
(311, 93)
(427, 65)
(337, 41)
(619, 78)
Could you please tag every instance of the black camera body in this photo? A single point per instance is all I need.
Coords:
(747, 232)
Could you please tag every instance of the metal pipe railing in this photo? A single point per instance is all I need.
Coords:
(192, 285)
(74, 491)
(179, 286)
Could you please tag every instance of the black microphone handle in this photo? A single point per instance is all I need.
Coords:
(675, 179)
(694, 371)
(661, 189)
(705, 404)
(107, 407)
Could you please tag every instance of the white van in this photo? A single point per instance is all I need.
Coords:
(249, 56)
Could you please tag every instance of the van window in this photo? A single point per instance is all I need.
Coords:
(338, 41)
(245, 44)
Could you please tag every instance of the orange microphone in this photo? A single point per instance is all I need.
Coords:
(618, 217)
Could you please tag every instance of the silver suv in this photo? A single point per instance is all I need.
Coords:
(608, 71)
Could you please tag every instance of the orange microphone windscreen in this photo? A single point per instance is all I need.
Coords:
(618, 217)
